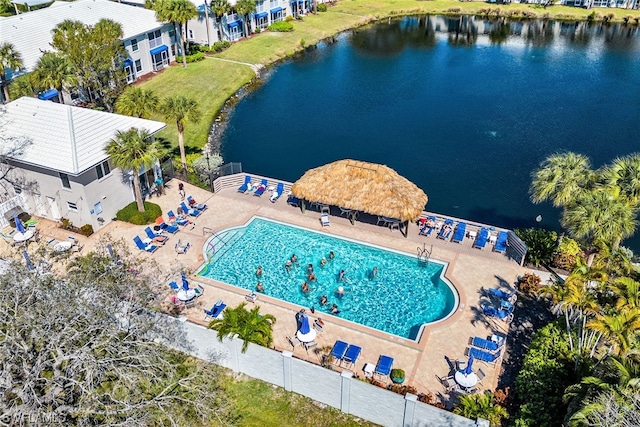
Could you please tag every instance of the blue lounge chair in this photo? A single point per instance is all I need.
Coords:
(481, 240)
(446, 230)
(485, 344)
(152, 234)
(190, 211)
(166, 227)
(504, 314)
(276, 194)
(484, 356)
(244, 187)
(193, 204)
(461, 230)
(504, 296)
(177, 219)
(174, 286)
(383, 367)
(338, 350)
(351, 356)
(426, 230)
(501, 242)
(261, 188)
(293, 201)
(143, 247)
(216, 310)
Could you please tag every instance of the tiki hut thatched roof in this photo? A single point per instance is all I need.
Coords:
(367, 187)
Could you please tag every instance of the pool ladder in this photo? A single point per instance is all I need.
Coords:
(424, 254)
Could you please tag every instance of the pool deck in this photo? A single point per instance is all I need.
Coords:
(470, 271)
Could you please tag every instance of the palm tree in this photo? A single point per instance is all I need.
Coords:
(619, 328)
(130, 151)
(220, 8)
(559, 292)
(137, 102)
(249, 325)
(483, 405)
(180, 12)
(623, 175)
(616, 262)
(9, 59)
(628, 292)
(181, 108)
(244, 8)
(54, 71)
(562, 178)
(600, 215)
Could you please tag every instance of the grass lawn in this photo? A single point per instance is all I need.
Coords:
(261, 404)
(211, 82)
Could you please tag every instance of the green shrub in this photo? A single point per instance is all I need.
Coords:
(288, 18)
(541, 244)
(322, 7)
(281, 26)
(131, 214)
(529, 284)
(566, 254)
(546, 372)
(219, 46)
(198, 56)
(258, 30)
(86, 230)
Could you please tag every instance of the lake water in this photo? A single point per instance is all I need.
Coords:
(463, 107)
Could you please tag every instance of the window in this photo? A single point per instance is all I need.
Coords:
(72, 206)
(17, 190)
(155, 39)
(103, 169)
(190, 34)
(138, 66)
(134, 45)
(65, 180)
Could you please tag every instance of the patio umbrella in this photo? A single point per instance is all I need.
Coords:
(30, 265)
(19, 225)
(304, 325)
(185, 282)
(468, 370)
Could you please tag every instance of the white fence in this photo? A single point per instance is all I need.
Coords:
(339, 390)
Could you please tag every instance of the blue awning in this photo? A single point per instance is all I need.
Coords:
(47, 95)
(159, 49)
(127, 63)
(261, 15)
(276, 10)
(234, 24)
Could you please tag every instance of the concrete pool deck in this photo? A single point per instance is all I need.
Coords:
(470, 271)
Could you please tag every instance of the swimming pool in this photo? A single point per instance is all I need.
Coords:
(404, 294)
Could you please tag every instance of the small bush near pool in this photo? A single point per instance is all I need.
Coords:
(281, 26)
(322, 7)
(130, 213)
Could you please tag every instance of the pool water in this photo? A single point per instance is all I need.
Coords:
(404, 294)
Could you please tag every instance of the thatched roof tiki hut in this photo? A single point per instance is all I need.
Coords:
(361, 186)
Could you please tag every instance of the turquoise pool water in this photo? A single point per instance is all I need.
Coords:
(404, 295)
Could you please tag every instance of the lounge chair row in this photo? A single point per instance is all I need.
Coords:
(258, 189)
(429, 224)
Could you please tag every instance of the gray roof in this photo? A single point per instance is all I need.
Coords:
(62, 137)
(30, 32)
(31, 2)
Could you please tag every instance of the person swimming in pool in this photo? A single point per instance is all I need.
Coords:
(323, 262)
(374, 272)
(331, 255)
(324, 300)
(288, 265)
(305, 287)
(294, 258)
(259, 287)
(310, 268)
(259, 271)
(341, 276)
(340, 292)
(335, 309)
(312, 277)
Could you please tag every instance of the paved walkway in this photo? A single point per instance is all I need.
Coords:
(470, 270)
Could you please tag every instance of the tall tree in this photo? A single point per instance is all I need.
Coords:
(600, 215)
(54, 71)
(623, 177)
(220, 8)
(562, 178)
(181, 109)
(130, 151)
(137, 102)
(619, 328)
(249, 325)
(244, 8)
(9, 59)
(96, 55)
(178, 12)
(628, 292)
